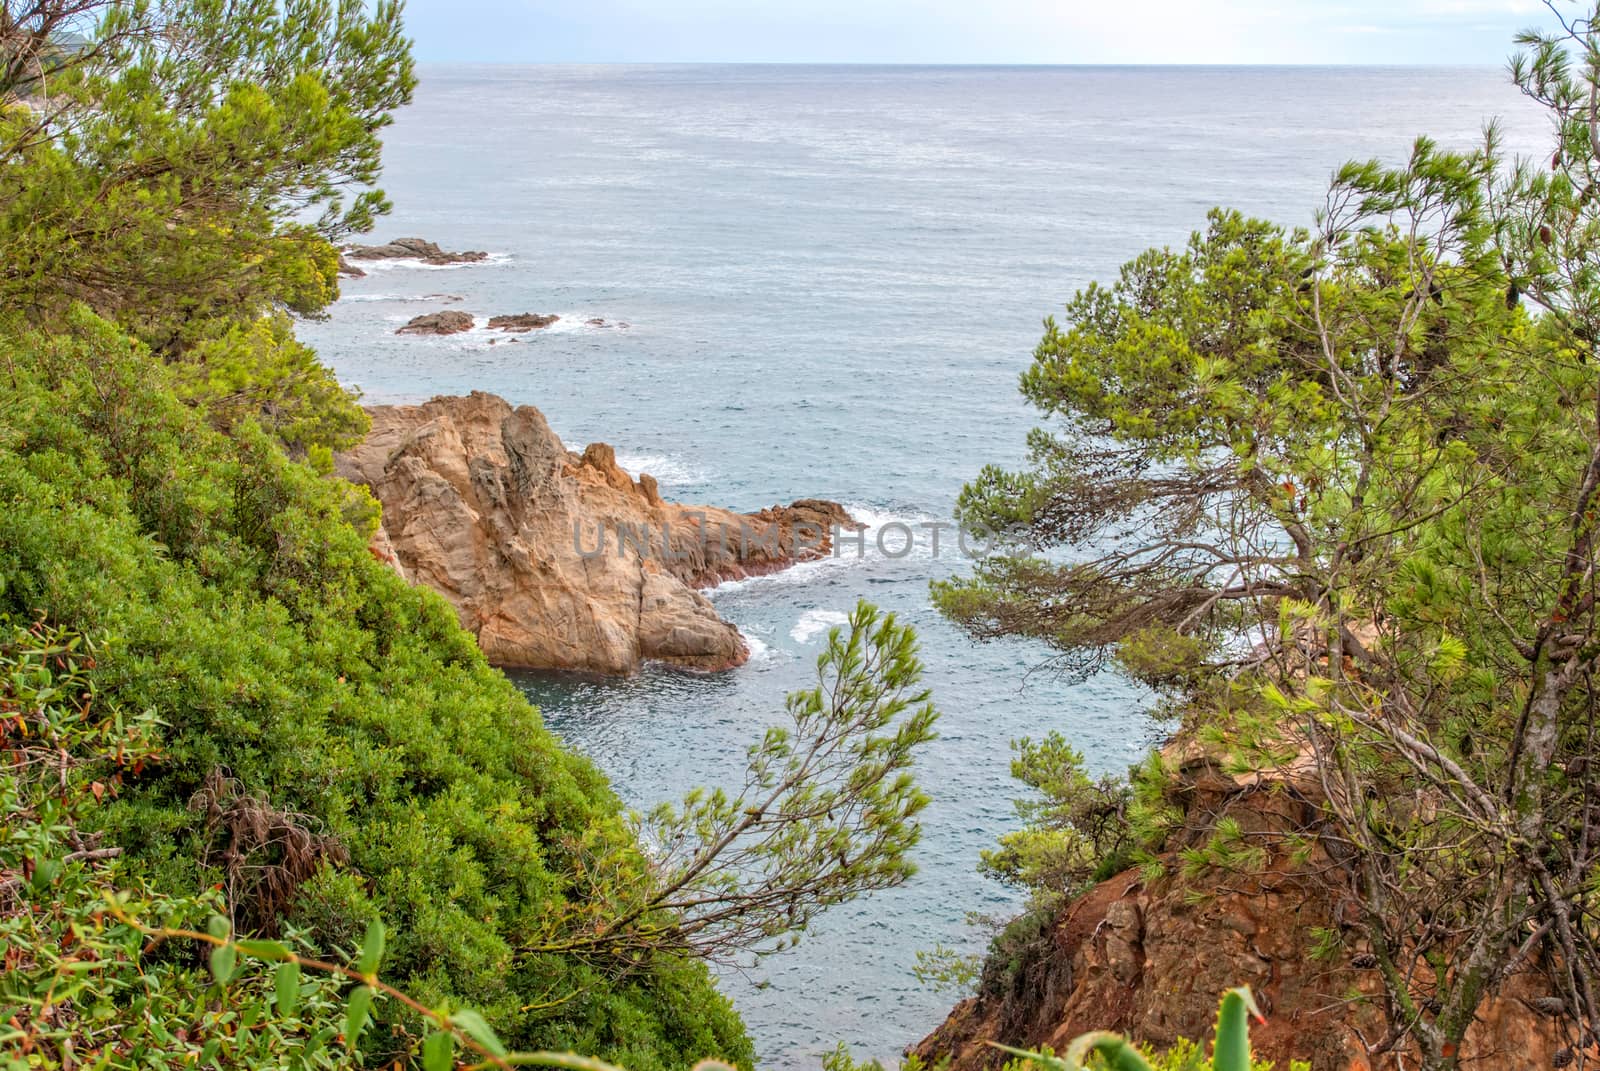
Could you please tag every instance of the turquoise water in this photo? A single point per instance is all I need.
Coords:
(832, 278)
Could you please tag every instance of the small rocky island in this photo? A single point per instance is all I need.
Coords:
(448, 322)
(523, 321)
(419, 249)
(559, 560)
(452, 322)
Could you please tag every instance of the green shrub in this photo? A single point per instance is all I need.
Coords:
(1075, 830)
(82, 986)
(238, 600)
(100, 975)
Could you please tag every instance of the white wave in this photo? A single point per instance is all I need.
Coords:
(669, 471)
(815, 623)
(415, 264)
(727, 587)
(892, 535)
(578, 321)
(873, 517)
(443, 299)
(566, 322)
(902, 536)
(794, 575)
(760, 650)
(482, 336)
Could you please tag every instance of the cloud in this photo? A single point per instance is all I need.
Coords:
(961, 31)
(1480, 7)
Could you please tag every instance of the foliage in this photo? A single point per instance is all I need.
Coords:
(1077, 833)
(260, 372)
(1333, 492)
(82, 987)
(1020, 955)
(946, 969)
(183, 169)
(827, 812)
(841, 1060)
(98, 975)
(237, 599)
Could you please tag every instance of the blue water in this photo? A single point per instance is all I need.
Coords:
(832, 278)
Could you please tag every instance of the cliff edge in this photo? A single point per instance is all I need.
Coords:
(1148, 958)
(561, 560)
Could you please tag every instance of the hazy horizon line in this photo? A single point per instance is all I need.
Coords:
(1438, 65)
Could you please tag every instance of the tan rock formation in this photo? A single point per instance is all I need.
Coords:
(559, 560)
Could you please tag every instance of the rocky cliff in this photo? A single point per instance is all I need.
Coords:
(1150, 958)
(561, 560)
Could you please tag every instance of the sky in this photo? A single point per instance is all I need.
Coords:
(971, 31)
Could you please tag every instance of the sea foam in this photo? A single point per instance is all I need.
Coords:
(815, 623)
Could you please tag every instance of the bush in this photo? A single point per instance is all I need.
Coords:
(81, 984)
(238, 600)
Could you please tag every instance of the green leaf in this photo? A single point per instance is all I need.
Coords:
(267, 950)
(437, 1052)
(371, 950)
(478, 1030)
(286, 988)
(355, 1015)
(223, 960)
(217, 926)
(1051, 1063)
(44, 872)
(1231, 1051)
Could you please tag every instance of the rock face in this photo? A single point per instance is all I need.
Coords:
(562, 560)
(1151, 959)
(348, 270)
(413, 249)
(449, 322)
(522, 321)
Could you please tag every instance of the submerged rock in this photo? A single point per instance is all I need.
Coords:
(561, 560)
(448, 322)
(523, 321)
(413, 249)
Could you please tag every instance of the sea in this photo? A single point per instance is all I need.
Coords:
(824, 282)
